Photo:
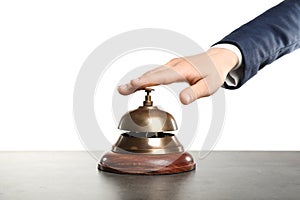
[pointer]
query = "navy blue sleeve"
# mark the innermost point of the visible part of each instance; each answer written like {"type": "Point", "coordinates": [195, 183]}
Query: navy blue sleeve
{"type": "Point", "coordinates": [266, 38]}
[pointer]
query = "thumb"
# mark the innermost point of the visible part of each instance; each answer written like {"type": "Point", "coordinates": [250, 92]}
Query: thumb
{"type": "Point", "coordinates": [194, 92]}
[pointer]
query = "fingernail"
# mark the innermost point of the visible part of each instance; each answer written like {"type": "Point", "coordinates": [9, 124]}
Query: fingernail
{"type": "Point", "coordinates": [123, 87]}
{"type": "Point", "coordinates": [187, 98]}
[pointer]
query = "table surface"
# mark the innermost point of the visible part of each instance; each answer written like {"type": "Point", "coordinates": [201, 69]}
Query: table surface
{"type": "Point", "coordinates": [221, 175]}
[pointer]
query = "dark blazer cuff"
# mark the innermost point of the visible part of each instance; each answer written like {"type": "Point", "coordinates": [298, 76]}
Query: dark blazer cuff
{"type": "Point", "coordinates": [241, 78]}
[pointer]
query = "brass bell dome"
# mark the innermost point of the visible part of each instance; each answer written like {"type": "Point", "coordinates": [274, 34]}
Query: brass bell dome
{"type": "Point", "coordinates": [147, 118]}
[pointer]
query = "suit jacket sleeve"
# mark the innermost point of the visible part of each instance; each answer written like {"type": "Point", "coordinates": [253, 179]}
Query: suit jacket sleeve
{"type": "Point", "coordinates": [266, 38]}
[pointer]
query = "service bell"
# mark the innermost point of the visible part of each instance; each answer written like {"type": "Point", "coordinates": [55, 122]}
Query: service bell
{"type": "Point", "coordinates": [147, 147]}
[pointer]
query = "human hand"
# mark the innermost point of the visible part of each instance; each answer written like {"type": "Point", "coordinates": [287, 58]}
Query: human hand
{"type": "Point", "coordinates": [205, 73]}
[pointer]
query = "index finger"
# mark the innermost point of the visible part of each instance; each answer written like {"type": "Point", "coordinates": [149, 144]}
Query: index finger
{"type": "Point", "coordinates": [165, 75]}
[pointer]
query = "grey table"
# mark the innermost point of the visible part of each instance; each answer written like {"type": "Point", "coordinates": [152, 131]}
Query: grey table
{"type": "Point", "coordinates": [222, 175]}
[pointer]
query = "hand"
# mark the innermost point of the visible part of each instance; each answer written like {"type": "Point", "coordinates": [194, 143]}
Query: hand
{"type": "Point", "coordinates": [205, 73]}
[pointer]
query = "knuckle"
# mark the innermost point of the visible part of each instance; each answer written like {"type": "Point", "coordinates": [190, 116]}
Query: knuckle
{"type": "Point", "coordinates": [135, 82]}
{"type": "Point", "coordinates": [181, 60]}
{"type": "Point", "coordinates": [178, 59]}
{"type": "Point", "coordinates": [175, 61]}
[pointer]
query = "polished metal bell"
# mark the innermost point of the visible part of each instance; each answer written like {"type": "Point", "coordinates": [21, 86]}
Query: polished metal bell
{"type": "Point", "coordinates": [147, 126]}
{"type": "Point", "coordinates": [147, 118]}
{"type": "Point", "coordinates": [146, 148]}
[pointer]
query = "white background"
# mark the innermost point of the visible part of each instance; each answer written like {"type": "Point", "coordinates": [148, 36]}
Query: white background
{"type": "Point", "coordinates": [43, 45]}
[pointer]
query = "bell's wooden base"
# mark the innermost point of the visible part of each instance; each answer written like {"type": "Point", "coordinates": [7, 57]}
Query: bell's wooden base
{"type": "Point", "coordinates": [147, 164]}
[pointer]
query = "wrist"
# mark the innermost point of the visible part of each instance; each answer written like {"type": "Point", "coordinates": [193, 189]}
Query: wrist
{"type": "Point", "coordinates": [224, 60]}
